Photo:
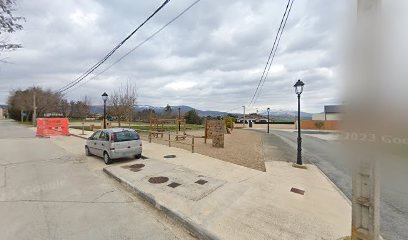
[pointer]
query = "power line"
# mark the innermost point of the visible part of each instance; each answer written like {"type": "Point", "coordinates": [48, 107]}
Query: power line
{"type": "Point", "coordinates": [271, 52]}
{"type": "Point", "coordinates": [270, 65]}
{"type": "Point", "coordinates": [139, 45]}
{"type": "Point", "coordinates": [274, 47]}
{"type": "Point", "coordinates": [94, 67]}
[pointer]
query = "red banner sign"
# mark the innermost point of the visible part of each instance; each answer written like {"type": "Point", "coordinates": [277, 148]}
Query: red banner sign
{"type": "Point", "coordinates": [52, 127]}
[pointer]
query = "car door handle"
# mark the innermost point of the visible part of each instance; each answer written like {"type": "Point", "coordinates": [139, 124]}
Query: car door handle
{"type": "Point", "coordinates": [128, 146]}
{"type": "Point", "coordinates": [94, 143]}
{"type": "Point", "coordinates": [102, 144]}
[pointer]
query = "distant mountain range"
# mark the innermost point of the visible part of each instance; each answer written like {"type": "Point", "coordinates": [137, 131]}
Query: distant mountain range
{"type": "Point", "coordinates": [288, 114]}
{"type": "Point", "coordinates": [183, 110]}
{"type": "Point", "coordinates": [205, 113]}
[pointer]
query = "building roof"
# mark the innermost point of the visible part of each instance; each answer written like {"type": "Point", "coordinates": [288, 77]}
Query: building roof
{"type": "Point", "coordinates": [333, 109]}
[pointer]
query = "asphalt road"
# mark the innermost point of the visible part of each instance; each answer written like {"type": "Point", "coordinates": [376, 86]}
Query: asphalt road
{"type": "Point", "coordinates": [331, 158]}
{"type": "Point", "coordinates": [46, 192]}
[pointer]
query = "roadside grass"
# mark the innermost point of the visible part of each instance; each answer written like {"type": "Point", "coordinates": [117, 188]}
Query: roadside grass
{"type": "Point", "coordinates": [82, 120]}
{"type": "Point", "coordinates": [168, 128]}
{"type": "Point", "coordinates": [26, 123]}
{"type": "Point", "coordinates": [86, 128]}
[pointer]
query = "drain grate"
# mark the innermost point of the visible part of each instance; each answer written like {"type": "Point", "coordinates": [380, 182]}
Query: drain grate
{"type": "Point", "coordinates": [298, 191]}
{"type": "Point", "coordinates": [158, 180]}
{"type": "Point", "coordinates": [170, 156]}
{"type": "Point", "coordinates": [174, 185]}
{"type": "Point", "coordinates": [201, 182]}
{"type": "Point", "coordinates": [134, 167]}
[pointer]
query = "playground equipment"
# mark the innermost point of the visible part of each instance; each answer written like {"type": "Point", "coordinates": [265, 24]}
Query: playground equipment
{"type": "Point", "coordinates": [214, 129]}
{"type": "Point", "coordinates": [158, 127]}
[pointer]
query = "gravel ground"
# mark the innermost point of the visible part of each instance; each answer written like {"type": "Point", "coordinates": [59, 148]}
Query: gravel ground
{"type": "Point", "coordinates": [242, 147]}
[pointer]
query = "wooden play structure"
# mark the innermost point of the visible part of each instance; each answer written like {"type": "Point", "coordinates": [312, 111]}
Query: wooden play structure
{"type": "Point", "coordinates": [159, 126]}
{"type": "Point", "coordinates": [214, 129]}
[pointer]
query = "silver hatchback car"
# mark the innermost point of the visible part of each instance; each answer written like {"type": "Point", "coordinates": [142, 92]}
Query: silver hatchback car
{"type": "Point", "coordinates": [114, 143]}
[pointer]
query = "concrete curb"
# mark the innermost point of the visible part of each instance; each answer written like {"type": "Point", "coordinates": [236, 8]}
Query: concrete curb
{"type": "Point", "coordinates": [79, 136]}
{"type": "Point", "coordinates": [196, 229]}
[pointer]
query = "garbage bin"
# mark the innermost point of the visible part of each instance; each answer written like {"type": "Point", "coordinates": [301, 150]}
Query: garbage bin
{"type": "Point", "coordinates": [250, 124]}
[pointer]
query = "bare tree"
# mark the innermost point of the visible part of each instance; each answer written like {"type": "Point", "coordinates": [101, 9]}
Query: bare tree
{"type": "Point", "coordinates": [65, 107]}
{"type": "Point", "coordinates": [84, 107]}
{"type": "Point", "coordinates": [80, 109]}
{"type": "Point", "coordinates": [83, 110]}
{"type": "Point", "coordinates": [46, 101]}
{"type": "Point", "coordinates": [21, 103]}
{"type": "Point", "coordinates": [122, 101]}
{"type": "Point", "coordinates": [8, 24]}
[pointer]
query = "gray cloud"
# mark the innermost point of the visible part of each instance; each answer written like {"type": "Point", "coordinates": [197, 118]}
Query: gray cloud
{"type": "Point", "coordinates": [211, 58]}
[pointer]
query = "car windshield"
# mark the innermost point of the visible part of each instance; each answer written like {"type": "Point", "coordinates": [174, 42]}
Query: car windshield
{"type": "Point", "coordinates": [125, 136]}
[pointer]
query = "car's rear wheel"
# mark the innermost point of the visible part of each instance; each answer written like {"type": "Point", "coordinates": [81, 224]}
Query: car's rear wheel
{"type": "Point", "coordinates": [138, 156]}
{"type": "Point", "coordinates": [87, 152]}
{"type": "Point", "coordinates": [106, 158]}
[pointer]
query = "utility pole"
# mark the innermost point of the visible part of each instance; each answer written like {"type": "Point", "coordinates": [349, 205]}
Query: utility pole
{"type": "Point", "coordinates": [34, 109]}
{"type": "Point", "coordinates": [243, 124]}
{"type": "Point", "coordinates": [365, 190]}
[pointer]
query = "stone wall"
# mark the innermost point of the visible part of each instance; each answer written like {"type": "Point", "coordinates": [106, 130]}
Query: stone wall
{"type": "Point", "coordinates": [215, 127]}
{"type": "Point", "coordinates": [218, 141]}
{"type": "Point", "coordinates": [215, 131]}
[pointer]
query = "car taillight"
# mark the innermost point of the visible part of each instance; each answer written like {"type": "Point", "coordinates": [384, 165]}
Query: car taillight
{"type": "Point", "coordinates": [113, 137]}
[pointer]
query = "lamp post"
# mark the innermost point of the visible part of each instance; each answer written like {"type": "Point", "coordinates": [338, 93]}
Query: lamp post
{"type": "Point", "coordinates": [104, 97]}
{"type": "Point", "coordinates": [243, 124]}
{"type": "Point", "coordinates": [298, 90]}
{"type": "Point", "coordinates": [179, 119]}
{"type": "Point", "coordinates": [268, 118]}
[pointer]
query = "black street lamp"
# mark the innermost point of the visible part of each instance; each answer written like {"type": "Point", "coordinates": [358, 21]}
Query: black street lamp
{"type": "Point", "coordinates": [104, 97]}
{"type": "Point", "coordinates": [268, 118]}
{"type": "Point", "coordinates": [179, 119]}
{"type": "Point", "coordinates": [299, 89]}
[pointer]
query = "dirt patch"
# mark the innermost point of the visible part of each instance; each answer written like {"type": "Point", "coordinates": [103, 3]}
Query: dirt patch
{"type": "Point", "coordinates": [242, 147]}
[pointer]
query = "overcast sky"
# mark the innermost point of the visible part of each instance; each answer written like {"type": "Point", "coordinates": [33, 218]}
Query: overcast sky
{"type": "Point", "coordinates": [211, 58]}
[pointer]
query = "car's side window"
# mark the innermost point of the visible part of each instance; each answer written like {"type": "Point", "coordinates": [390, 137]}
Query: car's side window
{"type": "Point", "coordinates": [104, 136]}
{"type": "Point", "coordinates": [95, 135]}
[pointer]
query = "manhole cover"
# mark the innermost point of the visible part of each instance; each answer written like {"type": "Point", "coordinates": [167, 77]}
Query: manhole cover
{"type": "Point", "coordinates": [136, 166]}
{"type": "Point", "coordinates": [157, 180]}
{"type": "Point", "coordinates": [201, 182]}
{"type": "Point", "coordinates": [174, 185]}
{"type": "Point", "coordinates": [135, 169]}
{"type": "Point", "coordinates": [170, 156]}
{"type": "Point", "coordinates": [298, 191]}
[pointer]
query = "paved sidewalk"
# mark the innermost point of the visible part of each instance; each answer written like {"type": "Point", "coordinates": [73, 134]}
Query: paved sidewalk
{"type": "Point", "coordinates": [237, 202]}
{"type": "Point", "coordinates": [78, 133]}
